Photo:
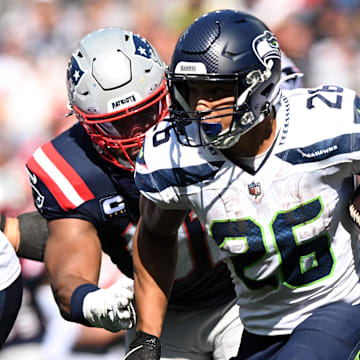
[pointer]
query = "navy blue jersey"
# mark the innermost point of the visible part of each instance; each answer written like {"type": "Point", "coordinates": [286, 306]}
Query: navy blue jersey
{"type": "Point", "coordinates": [69, 179]}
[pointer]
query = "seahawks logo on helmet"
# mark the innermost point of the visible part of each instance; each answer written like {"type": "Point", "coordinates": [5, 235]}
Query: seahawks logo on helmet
{"type": "Point", "coordinates": [74, 75]}
{"type": "Point", "coordinates": [266, 46]}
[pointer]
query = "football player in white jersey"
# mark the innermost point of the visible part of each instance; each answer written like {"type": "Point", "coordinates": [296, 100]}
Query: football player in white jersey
{"type": "Point", "coordinates": [269, 174]}
{"type": "Point", "coordinates": [213, 329]}
{"type": "Point", "coordinates": [21, 236]}
{"type": "Point", "coordinates": [11, 287]}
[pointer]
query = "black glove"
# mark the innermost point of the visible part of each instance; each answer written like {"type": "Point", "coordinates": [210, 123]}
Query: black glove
{"type": "Point", "coordinates": [144, 347]}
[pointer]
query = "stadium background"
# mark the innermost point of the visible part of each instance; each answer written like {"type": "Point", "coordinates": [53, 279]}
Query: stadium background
{"type": "Point", "coordinates": [322, 37]}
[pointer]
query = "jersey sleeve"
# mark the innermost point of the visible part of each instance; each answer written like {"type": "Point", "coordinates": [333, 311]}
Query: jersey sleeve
{"type": "Point", "coordinates": [58, 191]}
{"type": "Point", "coordinates": [355, 137]}
{"type": "Point", "coordinates": [168, 172]}
{"type": "Point", "coordinates": [291, 76]}
{"type": "Point", "coordinates": [151, 177]}
{"type": "Point", "coordinates": [329, 130]}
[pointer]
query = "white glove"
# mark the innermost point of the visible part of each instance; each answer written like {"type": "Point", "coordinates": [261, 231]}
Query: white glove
{"type": "Point", "coordinates": [111, 308]}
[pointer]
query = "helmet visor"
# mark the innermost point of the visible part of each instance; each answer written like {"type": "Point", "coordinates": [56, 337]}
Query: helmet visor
{"type": "Point", "coordinates": [120, 134]}
{"type": "Point", "coordinates": [185, 90]}
{"type": "Point", "coordinates": [134, 124]}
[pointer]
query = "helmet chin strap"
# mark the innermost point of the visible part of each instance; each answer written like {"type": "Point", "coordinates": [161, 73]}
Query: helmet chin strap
{"type": "Point", "coordinates": [227, 142]}
{"type": "Point", "coordinates": [254, 79]}
{"type": "Point", "coordinates": [230, 141]}
{"type": "Point", "coordinates": [70, 108]}
{"type": "Point", "coordinates": [113, 153]}
{"type": "Point", "coordinates": [119, 158]}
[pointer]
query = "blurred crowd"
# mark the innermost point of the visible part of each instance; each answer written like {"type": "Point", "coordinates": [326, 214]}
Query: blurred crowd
{"type": "Point", "coordinates": [322, 37]}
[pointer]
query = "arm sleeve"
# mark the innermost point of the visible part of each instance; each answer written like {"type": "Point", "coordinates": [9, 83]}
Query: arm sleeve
{"type": "Point", "coordinates": [33, 236]}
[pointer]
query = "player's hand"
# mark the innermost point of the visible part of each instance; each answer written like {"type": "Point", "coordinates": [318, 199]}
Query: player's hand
{"type": "Point", "coordinates": [111, 308]}
{"type": "Point", "coordinates": [354, 214]}
{"type": "Point", "coordinates": [144, 347]}
{"type": "Point", "coordinates": [354, 208]}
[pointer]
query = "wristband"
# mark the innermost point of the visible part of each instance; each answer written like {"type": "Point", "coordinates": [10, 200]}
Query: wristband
{"type": "Point", "coordinates": [76, 302]}
{"type": "Point", "coordinates": [2, 222]}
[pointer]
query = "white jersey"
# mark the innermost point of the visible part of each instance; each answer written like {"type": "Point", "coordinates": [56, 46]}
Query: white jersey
{"type": "Point", "coordinates": [9, 263]}
{"type": "Point", "coordinates": [283, 230]}
{"type": "Point", "coordinates": [291, 76]}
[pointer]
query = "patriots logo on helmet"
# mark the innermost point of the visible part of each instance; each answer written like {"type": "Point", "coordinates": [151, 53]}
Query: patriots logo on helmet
{"type": "Point", "coordinates": [74, 74]}
{"type": "Point", "coordinates": [144, 48]}
{"type": "Point", "coordinates": [266, 46]}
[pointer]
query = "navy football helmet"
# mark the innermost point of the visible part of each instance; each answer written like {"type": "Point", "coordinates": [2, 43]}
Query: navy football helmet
{"type": "Point", "coordinates": [117, 89]}
{"type": "Point", "coordinates": [228, 49]}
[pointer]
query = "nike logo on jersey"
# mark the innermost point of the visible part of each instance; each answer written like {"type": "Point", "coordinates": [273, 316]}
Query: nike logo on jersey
{"type": "Point", "coordinates": [32, 176]}
{"type": "Point", "coordinates": [39, 198]}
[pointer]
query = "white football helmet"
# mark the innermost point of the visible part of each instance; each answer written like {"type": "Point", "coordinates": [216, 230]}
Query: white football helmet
{"type": "Point", "coordinates": [116, 88]}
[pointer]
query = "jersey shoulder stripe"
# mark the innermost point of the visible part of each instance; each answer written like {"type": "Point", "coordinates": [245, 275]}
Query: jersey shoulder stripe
{"type": "Point", "coordinates": [319, 151]}
{"type": "Point", "coordinates": [57, 174]}
{"type": "Point", "coordinates": [177, 177]}
{"type": "Point", "coordinates": [166, 163]}
{"type": "Point", "coordinates": [319, 124]}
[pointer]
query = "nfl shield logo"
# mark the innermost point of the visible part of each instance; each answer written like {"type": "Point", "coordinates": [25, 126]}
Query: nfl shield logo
{"type": "Point", "coordinates": [254, 189]}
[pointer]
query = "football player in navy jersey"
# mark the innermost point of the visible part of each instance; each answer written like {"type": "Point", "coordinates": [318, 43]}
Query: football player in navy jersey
{"type": "Point", "coordinates": [269, 173]}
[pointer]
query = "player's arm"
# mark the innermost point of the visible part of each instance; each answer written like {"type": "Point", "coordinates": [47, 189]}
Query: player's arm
{"type": "Point", "coordinates": [27, 233]}
{"type": "Point", "coordinates": [73, 259]}
{"type": "Point", "coordinates": [155, 256]}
